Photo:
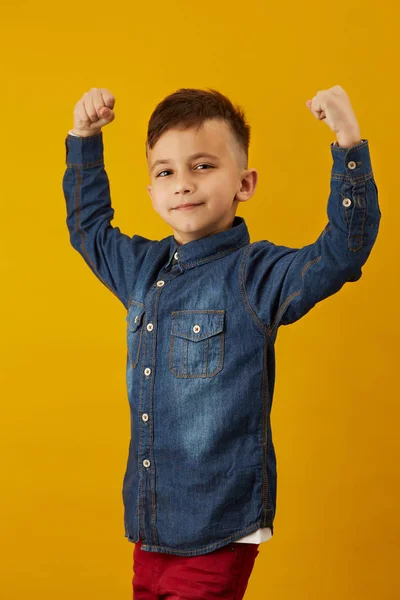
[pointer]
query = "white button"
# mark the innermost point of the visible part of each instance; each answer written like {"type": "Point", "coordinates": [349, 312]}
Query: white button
{"type": "Point", "coordinates": [346, 202]}
{"type": "Point", "coordinates": [147, 371]}
{"type": "Point", "coordinates": [176, 255]}
{"type": "Point", "coordinates": [160, 283]}
{"type": "Point", "coordinates": [145, 417]}
{"type": "Point", "coordinates": [196, 328]}
{"type": "Point", "coordinates": [136, 319]}
{"type": "Point", "coordinates": [351, 164]}
{"type": "Point", "coordinates": [149, 327]}
{"type": "Point", "coordinates": [146, 462]}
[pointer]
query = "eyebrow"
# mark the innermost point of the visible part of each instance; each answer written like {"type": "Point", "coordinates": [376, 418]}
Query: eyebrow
{"type": "Point", "coordinates": [196, 155]}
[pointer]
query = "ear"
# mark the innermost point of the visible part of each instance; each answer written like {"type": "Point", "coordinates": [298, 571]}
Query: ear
{"type": "Point", "coordinates": [248, 185]}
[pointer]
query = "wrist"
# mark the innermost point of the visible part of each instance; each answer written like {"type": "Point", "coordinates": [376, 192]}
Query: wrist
{"type": "Point", "coordinates": [348, 139]}
{"type": "Point", "coordinates": [83, 133]}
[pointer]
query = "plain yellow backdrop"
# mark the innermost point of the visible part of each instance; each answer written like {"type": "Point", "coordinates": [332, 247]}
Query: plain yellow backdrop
{"type": "Point", "coordinates": [64, 410]}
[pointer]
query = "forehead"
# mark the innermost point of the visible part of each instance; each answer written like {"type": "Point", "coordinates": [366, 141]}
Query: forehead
{"type": "Point", "coordinates": [214, 136]}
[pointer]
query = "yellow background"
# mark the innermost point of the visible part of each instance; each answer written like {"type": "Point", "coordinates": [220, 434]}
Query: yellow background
{"type": "Point", "coordinates": [64, 408]}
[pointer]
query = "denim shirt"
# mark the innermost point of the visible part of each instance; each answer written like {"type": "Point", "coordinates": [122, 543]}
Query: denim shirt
{"type": "Point", "coordinates": [201, 323]}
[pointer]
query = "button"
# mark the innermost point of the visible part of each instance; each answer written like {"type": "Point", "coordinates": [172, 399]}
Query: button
{"type": "Point", "coordinates": [347, 202]}
{"type": "Point", "coordinates": [351, 164]}
{"type": "Point", "coordinates": [196, 328]}
{"type": "Point", "coordinates": [160, 283]}
{"type": "Point", "coordinates": [146, 462]}
{"type": "Point", "coordinates": [145, 417]}
{"type": "Point", "coordinates": [149, 327]}
{"type": "Point", "coordinates": [176, 256]}
{"type": "Point", "coordinates": [136, 319]}
{"type": "Point", "coordinates": [147, 371]}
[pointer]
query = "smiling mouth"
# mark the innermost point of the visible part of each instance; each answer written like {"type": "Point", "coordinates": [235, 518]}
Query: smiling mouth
{"type": "Point", "coordinates": [188, 206]}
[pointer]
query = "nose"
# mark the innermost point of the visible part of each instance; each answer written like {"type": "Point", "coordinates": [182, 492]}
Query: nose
{"type": "Point", "coordinates": [183, 185]}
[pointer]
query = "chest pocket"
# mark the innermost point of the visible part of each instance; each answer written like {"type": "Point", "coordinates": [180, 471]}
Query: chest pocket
{"type": "Point", "coordinates": [197, 343]}
{"type": "Point", "coordinates": [134, 331]}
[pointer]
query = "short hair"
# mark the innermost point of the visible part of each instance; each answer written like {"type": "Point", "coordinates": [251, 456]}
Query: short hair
{"type": "Point", "coordinates": [190, 107]}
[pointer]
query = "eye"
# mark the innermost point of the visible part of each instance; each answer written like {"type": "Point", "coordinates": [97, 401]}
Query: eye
{"type": "Point", "coordinates": [201, 165]}
{"type": "Point", "coordinates": [205, 165]}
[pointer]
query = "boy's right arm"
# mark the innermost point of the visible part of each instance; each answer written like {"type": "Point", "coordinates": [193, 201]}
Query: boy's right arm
{"type": "Point", "coordinates": [114, 257]}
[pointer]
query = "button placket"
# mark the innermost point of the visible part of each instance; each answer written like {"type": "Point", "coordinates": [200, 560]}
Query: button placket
{"type": "Point", "coordinates": [147, 372]}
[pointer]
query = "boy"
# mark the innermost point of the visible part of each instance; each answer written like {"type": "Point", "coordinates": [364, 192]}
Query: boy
{"type": "Point", "coordinates": [203, 310]}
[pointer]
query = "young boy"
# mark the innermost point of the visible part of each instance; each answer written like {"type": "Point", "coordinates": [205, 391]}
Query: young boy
{"type": "Point", "coordinates": [203, 310]}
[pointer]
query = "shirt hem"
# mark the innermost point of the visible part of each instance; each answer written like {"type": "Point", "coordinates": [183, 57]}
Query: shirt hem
{"type": "Point", "coordinates": [204, 549]}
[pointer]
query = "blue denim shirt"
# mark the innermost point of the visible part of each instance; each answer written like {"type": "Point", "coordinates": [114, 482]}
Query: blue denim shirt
{"type": "Point", "coordinates": [202, 320]}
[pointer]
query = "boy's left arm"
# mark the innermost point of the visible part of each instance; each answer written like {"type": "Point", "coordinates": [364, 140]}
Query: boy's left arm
{"type": "Point", "coordinates": [282, 284]}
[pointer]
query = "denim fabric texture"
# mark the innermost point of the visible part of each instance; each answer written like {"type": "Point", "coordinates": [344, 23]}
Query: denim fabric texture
{"type": "Point", "coordinates": [201, 323]}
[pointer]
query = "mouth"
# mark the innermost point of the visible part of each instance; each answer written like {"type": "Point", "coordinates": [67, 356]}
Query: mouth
{"type": "Point", "coordinates": [188, 206]}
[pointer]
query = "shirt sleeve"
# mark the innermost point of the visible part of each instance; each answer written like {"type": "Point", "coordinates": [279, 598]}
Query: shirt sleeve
{"type": "Point", "coordinates": [115, 258]}
{"type": "Point", "coordinates": [282, 284]}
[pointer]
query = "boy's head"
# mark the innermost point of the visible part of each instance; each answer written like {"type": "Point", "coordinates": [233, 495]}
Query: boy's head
{"type": "Point", "coordinates": [188, 122]}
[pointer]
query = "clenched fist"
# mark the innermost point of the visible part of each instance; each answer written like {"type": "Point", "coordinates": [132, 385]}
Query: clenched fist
{"type": "Point", "coordinates": [93, 111]}
{"type": "Point", "coordinates": [334, 108]}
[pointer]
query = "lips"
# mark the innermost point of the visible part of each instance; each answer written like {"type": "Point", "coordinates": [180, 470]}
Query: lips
{"type": "Point", "coordinates": [187, 206]}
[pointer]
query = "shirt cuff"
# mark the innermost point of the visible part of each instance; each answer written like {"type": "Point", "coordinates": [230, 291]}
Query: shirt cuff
{"type": "Point", "coordinates": [84, 151]}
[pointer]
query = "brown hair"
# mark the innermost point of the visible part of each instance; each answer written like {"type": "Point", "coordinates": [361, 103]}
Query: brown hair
{"type": "Point", "coordinates": [188, 107]}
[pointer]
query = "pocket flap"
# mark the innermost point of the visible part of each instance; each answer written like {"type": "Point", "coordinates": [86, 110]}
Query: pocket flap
{"type": "Point", "coordinates": [134, 316]}
{"type": "Point", "coordinates": [196, 325]}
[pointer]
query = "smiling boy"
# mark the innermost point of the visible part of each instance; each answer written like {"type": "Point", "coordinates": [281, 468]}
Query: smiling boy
{"type": "Point", "coordinates": [204, 306]}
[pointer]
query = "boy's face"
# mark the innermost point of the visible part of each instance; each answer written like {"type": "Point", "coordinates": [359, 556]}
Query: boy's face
{"type": "Point", "coordinates": [217, 184]}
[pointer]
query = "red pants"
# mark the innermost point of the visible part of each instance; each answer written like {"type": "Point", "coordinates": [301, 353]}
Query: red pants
{"type": "Point", "coordinates": [223, 573]}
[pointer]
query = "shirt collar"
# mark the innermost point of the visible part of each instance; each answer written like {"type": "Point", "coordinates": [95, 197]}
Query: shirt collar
{"type": "Point", "coordinates": [210, 247]}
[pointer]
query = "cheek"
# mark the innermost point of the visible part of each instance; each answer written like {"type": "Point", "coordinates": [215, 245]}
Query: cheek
{"type": "Point", "coordinates": [222, 186]}
{"type": "Point", "coordinates": [160, 194]}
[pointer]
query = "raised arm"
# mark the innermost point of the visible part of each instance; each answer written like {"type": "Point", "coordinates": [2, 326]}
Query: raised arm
{"type": "Point", "coordinates": [115, 258]}
{"type": "Point", "coordinates": [282, 284]}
